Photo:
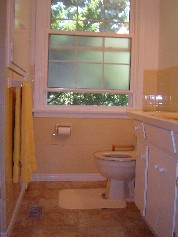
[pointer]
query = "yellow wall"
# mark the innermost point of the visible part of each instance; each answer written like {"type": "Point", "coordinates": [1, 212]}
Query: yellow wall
{"type": "Point", "coordinates": [164, 80]}
{"type": "Point", "coordinates": [168, 86]}
{"type": "Point", "coordinates": [74, 154]}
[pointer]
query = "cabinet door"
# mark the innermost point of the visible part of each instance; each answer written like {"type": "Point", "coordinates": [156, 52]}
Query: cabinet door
{"type": "Point", "coordinates": [141, 176]}
{"type": "Point", "coordinates": [161, 192]}
{"type": "Point", "coordinates": [152, 191]}
{"type": "Point", "coordinates": [22, 29]}
{"type": "Point", "coordinates": [167, 196]}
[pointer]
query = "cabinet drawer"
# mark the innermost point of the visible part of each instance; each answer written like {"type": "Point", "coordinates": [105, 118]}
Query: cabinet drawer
{"type": "Point", "coordinates": [161, 138]}
{"type": "Point", "coordinates": [139, 129]}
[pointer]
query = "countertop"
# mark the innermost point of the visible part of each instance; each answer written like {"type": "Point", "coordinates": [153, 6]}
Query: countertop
{"type": "Point", "coordinates": [166, 120]}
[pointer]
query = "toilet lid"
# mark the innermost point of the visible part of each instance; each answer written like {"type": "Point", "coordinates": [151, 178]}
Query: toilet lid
{"type": "Point", "coordinates": [116, 155]}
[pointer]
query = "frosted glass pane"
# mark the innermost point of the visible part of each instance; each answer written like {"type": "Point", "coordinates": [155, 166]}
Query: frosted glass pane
{"type": "Point", "coordinates": [90, 56]}
{"type": "Point", "coordinates": [90, 49]}
{"type": "Point", "coordinates": [61, 75]}
{"type": "Point", "coordinates": [89, 62]}
{"type": "Point", "coordinates": [90, 41]}
{"type": "Point", "coordinates": [58, 54]}
{"type": "Point", "coordinates": [62, 40]}
{"type": "Point", "coordinates": [89, 76]}
{"type": "Point", "coordinates": [121, 43]}
{"type": "Point", "coordinates": [117, 57]}
{"type": "Point", "coordinates": [117, 50]}
{"type": "Point", "coordinates": [61, 47]}
{"type": "Point", "coordinates": [116, 77]}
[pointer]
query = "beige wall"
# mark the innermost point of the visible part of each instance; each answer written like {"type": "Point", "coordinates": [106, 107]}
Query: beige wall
{"type": "Point", "coordinates": [74, 154]}
{"type": "Point", "coordinates": [168, 53]}
{"type": "Point", "coordinates": [168, 48]}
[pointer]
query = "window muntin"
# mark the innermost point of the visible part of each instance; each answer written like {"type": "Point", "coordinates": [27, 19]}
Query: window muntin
{"type": "Point", "coordinates": [89, 62]}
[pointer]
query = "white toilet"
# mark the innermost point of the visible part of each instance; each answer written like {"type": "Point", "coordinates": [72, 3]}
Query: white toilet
{"type": "Point", "coordinates": [119, 169]}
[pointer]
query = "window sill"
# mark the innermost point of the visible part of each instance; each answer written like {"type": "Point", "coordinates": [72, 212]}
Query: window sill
{"type": "Point", "coordinates": [85, 112]}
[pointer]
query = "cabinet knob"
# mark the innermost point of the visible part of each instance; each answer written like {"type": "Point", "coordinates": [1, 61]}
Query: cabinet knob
{"type": "Point", "coordinates": [156, 167]}
{"type": "Point", "coordinates": [137, 128]}
{"type": "Point", "coordinates": [162, 170]}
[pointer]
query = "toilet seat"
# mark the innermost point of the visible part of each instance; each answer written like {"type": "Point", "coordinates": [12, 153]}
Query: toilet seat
{"type": "Point", "coordinates": [116, 155]}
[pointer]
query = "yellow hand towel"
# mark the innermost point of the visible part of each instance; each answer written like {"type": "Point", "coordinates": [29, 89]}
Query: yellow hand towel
{"type": "Point", "coordinates": [28, 160]}
{"type": "Point", "coordinates": [16, 153]}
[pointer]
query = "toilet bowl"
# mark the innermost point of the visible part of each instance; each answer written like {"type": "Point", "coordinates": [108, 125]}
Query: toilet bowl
{"type": "Point", "coordinates": [118, 167]}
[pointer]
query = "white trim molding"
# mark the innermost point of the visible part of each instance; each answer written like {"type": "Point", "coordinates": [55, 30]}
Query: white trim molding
{"type": "Point", "coordinates": [67, 177]}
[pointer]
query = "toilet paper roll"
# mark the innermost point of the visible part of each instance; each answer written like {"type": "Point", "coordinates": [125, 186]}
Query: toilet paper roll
{"type": "Point", "coordinates": [64, 131]}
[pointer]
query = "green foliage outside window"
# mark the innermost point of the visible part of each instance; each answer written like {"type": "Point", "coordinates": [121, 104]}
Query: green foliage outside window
{"type": "Point", "coordinates": [75, 98]}
{"type": "Point", "coordinates": [90, 15]}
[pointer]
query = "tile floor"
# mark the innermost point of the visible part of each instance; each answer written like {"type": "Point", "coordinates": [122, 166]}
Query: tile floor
{"type": "Point", "coordinates": [58, 222]}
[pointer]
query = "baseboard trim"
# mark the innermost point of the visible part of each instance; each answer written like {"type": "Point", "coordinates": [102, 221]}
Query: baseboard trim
{"type": "Point", "coordinates": [67, 177]}
{"type": "Point", "coordinates": [17, 207]}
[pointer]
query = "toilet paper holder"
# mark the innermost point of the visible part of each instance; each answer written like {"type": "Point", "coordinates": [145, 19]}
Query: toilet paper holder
{"type": "Point", "coordinates": [57, 126]}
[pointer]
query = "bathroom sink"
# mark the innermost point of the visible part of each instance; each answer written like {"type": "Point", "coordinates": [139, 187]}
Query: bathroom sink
{"type": "Point", "coordinates": [171, 116]}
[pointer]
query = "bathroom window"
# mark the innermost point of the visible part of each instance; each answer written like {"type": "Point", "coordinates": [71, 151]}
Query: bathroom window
{"type": "Point", "coordinates": [85, 57]}
{"type": "Point", "coordinates": [89, 53]}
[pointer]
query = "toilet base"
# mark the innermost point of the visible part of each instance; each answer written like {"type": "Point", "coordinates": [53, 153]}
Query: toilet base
{"type": "Point", "coordinates": [117, 189]}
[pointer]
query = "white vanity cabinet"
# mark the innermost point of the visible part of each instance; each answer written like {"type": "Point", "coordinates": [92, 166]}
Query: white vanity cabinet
{"type": "Point", "coordinates": [161, 192]}
{"type": "Point", "coordinates": [141, 167]}
{"type": "Point", "coordinates": [156, 177]}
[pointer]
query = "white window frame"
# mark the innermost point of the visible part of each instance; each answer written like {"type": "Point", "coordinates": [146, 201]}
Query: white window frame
{"type": "Point", "coordinates": [41, 66]}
